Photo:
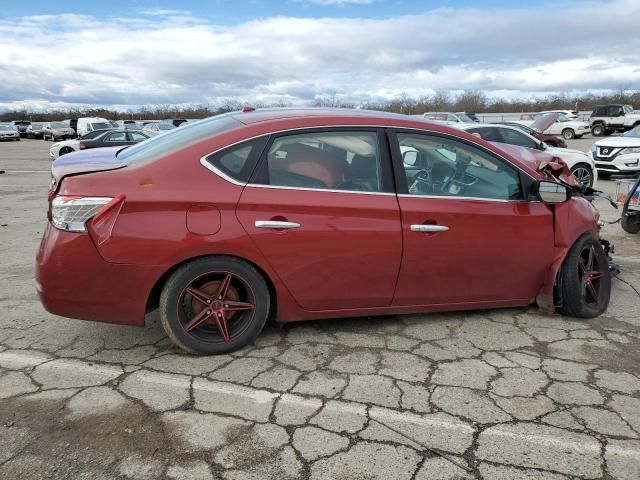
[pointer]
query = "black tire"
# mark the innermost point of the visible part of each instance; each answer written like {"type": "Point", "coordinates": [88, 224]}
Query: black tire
{"type": "Point", "coordinates": [630, 224]}
{"type": "Point", "coordinates": [584, 281]}
{"type": "Point", "coordinates": [583, 173]}
{"type": "Point", "coordinates": [65, 150]}
{"type": "Point", "coordinates": [180, 310]}
{"type": "Point", "coordinates": [17, 139]}
{"type": "Point", "coordinates": [598, 130]}
{"type": "Point", "coordinates": [568, 134]}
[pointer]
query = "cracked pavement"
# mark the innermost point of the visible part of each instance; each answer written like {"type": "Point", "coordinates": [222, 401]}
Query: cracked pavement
{"type": "Point", "coordinates": [517, 394]}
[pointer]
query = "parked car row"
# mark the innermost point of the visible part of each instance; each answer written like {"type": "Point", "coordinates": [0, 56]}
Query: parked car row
{"type": "Point", "coordinates": [74, 128]}
{"type": "Point", "coordinates": [98, 138]}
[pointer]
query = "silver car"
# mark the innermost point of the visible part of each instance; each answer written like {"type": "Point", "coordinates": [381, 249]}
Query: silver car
{"type": "Point", "coordinates": [9, 132]}
{"type": "Point", "coordinates": [57, 131]}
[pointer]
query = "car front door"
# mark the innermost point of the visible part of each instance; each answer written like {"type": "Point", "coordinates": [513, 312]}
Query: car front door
{"type": "Point", "coordinates": [470, 236]}
{"type": "Point", "coordinates": [616, 116]}
{"type": "Point", "coordinates": [321, 209]}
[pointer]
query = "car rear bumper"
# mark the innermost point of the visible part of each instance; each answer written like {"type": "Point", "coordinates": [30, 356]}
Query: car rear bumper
{"type": "Point", "coordinates": [74, 281]}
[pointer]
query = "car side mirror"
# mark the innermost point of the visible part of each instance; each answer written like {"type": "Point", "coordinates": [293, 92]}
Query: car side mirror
{"type": "Point", "coordinates": [542, 146]}
{"type": "Point", "coordinates": [410, 157]}
{"type": "Point", "coordinates": [551, 192]}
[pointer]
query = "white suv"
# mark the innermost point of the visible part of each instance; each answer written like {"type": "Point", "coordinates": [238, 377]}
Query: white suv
{"type": "Point", "coordinates": [618, 154]}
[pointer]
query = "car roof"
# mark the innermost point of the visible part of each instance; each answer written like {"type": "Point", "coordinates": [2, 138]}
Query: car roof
{"type": "Point", "coordinates": [267, 114]}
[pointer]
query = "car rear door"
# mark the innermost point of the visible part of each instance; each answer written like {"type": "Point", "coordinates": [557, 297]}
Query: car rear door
{"type": "Point", "coordinates": [321, 209]}
{"type": "Point", "coordinates": [470, 238]}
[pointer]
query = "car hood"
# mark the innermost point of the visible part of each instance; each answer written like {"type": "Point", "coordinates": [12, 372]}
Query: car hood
{"type": "Point", "coordinates": [560, 151]}
{"type": "Point", "coordinates": [93, 160]}
{"type": "Point", "coordinates": [65, 143]}
{"type": "Point", "coordinates": [544, 121]}
{"type": "Point", "coordinates": [544, 162]}
{"type": "Point", "coordinates": [619, 142]}
{"type": "Point", "coordinates": [8, 130]}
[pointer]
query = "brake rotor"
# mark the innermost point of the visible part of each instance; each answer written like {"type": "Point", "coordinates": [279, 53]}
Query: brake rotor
{"type": "Point", "coordinates": [211, 288]}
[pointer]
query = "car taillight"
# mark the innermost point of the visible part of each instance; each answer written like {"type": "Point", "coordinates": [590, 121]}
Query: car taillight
{"type": "Point", "coordinates": [71, 213]}
{"type": "Point", "coordinates": [82, 146]}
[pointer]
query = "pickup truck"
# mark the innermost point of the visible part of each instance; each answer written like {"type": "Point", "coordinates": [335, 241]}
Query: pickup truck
{"type": "Point", "coordinates": [606, 119]}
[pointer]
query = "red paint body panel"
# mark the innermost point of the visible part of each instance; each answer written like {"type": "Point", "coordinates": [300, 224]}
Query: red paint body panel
{"type": "Point", "coordinates": [73, 281]}
{"type": "Point", "coordinates": [345, 260]}
{"type": "Point", "coordinates": [346, 253]}
{"type": "Point", "coordinates": [493, 251]}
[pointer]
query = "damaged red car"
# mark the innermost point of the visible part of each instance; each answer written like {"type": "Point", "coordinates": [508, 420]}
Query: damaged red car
{"type": "Point", "coordinates": [300, 214]}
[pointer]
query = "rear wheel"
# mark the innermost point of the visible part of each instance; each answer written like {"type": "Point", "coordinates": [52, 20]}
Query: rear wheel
{"type": "Point", "coordinates": [630, 224]}
{"type": "Point", "coordinates": [568, 134]}
{"type": "Point", "coordinates": [583, 173]}
{"type": "Point", "coordinates": [214, 305]}
{"type": "Point", "coordinates": [585, 282]}
{"type": "Point", "coordinates": [597, 130]}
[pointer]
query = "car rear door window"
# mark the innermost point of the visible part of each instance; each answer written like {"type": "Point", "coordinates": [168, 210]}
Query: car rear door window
{"type": "Point", "coordinates": [136, 137]}
{"type": "Point", "coordinates": [326, 160]}
{"type": "Point", "coordinates": [446, 167]}
{"type": "Point", "coordinates": [116, 137]}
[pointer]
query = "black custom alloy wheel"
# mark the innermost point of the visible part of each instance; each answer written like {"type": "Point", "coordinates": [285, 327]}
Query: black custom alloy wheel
{"type": "Point", "coordinates": [585, 281]}
{"type": "Point", "coordinates": [214, 305]}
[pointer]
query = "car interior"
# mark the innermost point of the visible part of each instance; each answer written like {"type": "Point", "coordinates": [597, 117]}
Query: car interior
{"type": "Point", "coordinates": [441, 167]}
{"type": "Point", "coordinates": [326, 161]}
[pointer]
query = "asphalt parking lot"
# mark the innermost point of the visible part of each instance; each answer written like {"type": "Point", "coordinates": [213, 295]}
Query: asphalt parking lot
{"type": "Point", "coordinates": [510, 394]}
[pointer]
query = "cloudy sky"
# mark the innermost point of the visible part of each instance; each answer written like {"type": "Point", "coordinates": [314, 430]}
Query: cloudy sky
{"type": "Point", "coordinates": [131, 53]}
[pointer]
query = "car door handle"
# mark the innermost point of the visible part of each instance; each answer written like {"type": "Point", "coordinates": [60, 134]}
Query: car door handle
{"type": "Point", "coordinates": [429, 228]}
{"type": "Point", "coordinates": [276, 225]}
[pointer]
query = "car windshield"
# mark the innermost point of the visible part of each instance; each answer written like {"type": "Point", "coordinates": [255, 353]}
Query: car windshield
{"type": "Point", "coordinates": [634, 132]}
{"type": "Point", "coordinates": [101, 125]}
{"type": "Point", "coordinates": [179, 137]}
{"type": "Point", "coordinates": [165, 126]}
{"type": "Point", "coordinates": [58, 125]}
{"type": "Point", "coordinates": [465, 118]}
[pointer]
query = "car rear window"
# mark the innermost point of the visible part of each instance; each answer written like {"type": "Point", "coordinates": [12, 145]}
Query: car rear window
{"type": "Point", "coordinates": [179, 137]}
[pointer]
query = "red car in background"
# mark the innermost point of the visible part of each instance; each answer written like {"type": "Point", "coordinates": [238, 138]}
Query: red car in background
{"type": "Point", "coordinates": [304, 214]}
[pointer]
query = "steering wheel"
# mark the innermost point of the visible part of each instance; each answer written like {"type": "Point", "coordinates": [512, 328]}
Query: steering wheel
{"type": "Point", "coordinates": [422, 182]}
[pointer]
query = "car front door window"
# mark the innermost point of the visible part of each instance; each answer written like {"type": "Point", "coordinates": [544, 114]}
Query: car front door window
{"type": "Point", "coordinates": [451, 168]}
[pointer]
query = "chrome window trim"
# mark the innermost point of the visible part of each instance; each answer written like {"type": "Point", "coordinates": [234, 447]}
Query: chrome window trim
{"type": "Point", "coordinates": [330, 190]}
{"type": "Point", "coordinates": [217, 171]}
{"type": "Point", "coordinates": [453, 197]}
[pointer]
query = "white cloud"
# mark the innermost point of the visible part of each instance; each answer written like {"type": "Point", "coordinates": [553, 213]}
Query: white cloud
{"type": "Point", "coordinates": [178, 59]}
{"type": "Point", "coordinates": [164, 12]}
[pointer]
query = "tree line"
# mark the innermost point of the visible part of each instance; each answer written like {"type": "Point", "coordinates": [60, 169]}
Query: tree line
{"type": "Point", "coordinates": [474, 101]}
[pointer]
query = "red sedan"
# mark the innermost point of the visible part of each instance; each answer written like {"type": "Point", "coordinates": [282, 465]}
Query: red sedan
{"type": "Point", "coordinates": [308, 214]}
